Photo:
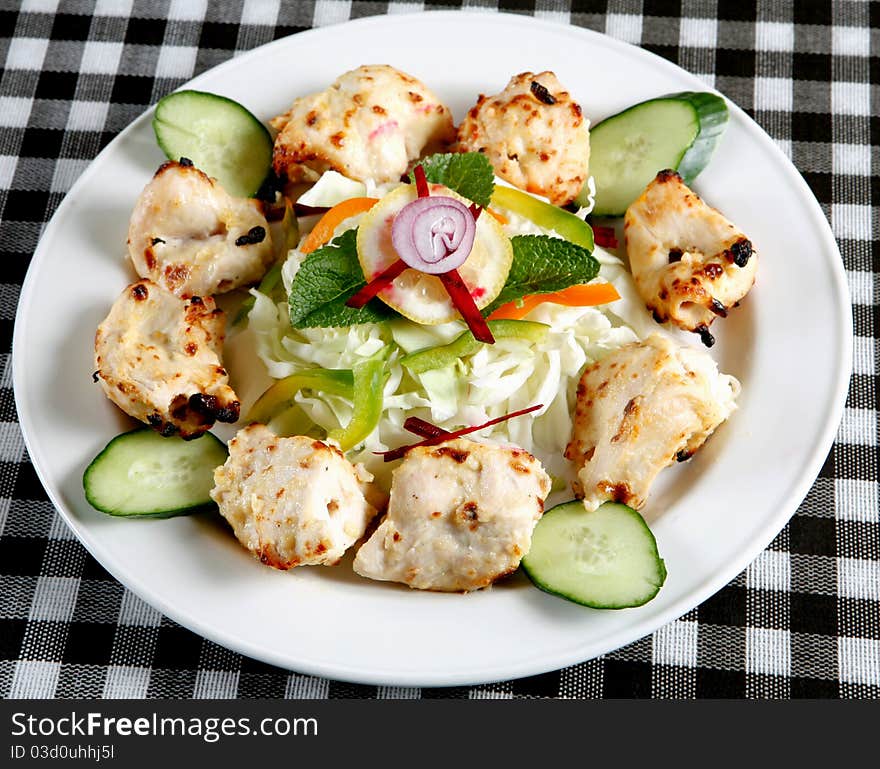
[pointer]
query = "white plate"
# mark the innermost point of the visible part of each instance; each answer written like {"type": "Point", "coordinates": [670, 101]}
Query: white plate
{"type": "Point", "coordinates": [790, 344]}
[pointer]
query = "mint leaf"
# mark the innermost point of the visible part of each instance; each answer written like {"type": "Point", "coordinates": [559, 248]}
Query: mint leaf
{"type": "Point", "coordinates": [469, 174]}
{"type": "Point", "coordinates": [328, 278]}
{"type": "Point", "coordinates": [542, 264]}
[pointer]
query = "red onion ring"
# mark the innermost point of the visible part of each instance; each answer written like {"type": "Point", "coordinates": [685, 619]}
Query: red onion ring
{"type": "Point", "coordinates": [434, 234]}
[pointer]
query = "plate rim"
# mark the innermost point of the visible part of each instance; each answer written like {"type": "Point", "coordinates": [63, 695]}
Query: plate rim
{"type": "Point", "coordinates": [534, 665]}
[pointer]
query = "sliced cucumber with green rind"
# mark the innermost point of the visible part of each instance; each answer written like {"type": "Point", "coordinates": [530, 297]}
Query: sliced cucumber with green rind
{"type": "Point", "coordinates": [606, 559]}
{"type": "Point", "coordinates": [219, 135]}
{"type": "Point", "coordinates": [140, 474]}
{"type": "Point", "coordinates": [713, 116]}
{"type": "Point", "coordinates": [679, 131]}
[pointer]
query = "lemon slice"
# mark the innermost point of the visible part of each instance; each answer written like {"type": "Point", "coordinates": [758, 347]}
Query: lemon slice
{"type": "Point", "coordinates": [415, 295]}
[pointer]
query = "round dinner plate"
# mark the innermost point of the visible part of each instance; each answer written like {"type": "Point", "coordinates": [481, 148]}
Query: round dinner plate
{"type": "Point", "coordinates": [789, 344]}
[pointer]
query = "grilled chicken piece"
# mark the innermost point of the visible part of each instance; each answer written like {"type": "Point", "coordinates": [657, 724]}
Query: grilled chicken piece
{"type": "Point", "coordinates": [461, 515]}
{"type": "Point", "coordinates": [369, 124]}
{"type": "Point", "coordinates": [639, 410]}
{"type": "Point", "coordinates": [534, 134]}
{"type": "Point", "coordinates": [192, 237]}
{"type": "Point", "coordinates": [157, 357]}
{"type": "Point", "coordinates": [690, 264]}
{"type": "Point", "coordinates": [291, 501]}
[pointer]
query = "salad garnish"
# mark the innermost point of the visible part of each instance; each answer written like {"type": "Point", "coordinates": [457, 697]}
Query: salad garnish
{"type": "Point", "coordinates": [383, 279]}
{"type": "Point", "coordinates": [393, 454]}
{"type": "Point", "coordinates": [470, 174]}
{"type": "Point", "coordinates": [542, 265]}
{"type": "Point", "coordinates": [368, 379]}
{"type": "Point", "coordinates": [578, 295]}
{"type": "Point", "coordinates": [421, 182]}
{"type": "Point", "coordinates": [326, 281]}
{"type": "Point", "coordinates": [322, 232]}
{"type": "Point", "coordinates": [466, 343]}
{"type": "Point", "coordinates": [433, 235]}
{"type": "Point", "coordinates": [464, 303]}
{"type": "Point", "coordinates": [604, 236]}
{"type": "Point", "coordinates": [423, 428]}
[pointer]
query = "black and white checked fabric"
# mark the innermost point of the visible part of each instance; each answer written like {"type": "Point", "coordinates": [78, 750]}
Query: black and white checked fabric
{"type": "Point", "coordinates": [802, 621]}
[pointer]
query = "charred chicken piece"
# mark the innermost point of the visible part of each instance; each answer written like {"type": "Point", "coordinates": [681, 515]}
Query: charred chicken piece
{"type": "Point", "coordinates": [189, 235]}
{"type": "Point", "coordinates": [461, 516]}
{"type": "Point", "coordinates": [642, 408]}
{"type": "Point", "coordinates": [689, 263]}
{"type": "Point", "coordinates": [157, 357]}
{"type": "Point", "coordinates": [534, 134]}
{"type": "Point", "coordinates": [291, 501]}
{"type": "Point", "coordinates": [369, 124]}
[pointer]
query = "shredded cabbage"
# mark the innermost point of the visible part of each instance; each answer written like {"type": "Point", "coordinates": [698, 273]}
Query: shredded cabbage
{"type": "Point", "coordinates": [330, 189]}
{"type": "Point", "coordinates": [496, 380]}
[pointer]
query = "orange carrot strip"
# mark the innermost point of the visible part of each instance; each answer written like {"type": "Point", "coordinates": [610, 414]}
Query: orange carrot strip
{"type": "Point", "coordinates": [580, 295]}
{"type": "Point", "coordinates": [327, 224]}
{"type": "Point", "coordinates": [499, 217]}
{"type": "Point", "coordinates": [511, 310]}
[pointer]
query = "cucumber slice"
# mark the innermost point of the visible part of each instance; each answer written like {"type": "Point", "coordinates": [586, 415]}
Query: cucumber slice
{"type": "Point", "coordinates": [606, 559]}
{"type": "Point", "coordinates": [219, 135]}
{"type": "Point", "coordinates": [140, 474]}
{"type": "Point", "coordinates": [679, 131]}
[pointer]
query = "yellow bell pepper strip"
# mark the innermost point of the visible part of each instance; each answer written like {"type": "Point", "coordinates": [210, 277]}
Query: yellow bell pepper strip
{"type": "Point", "coordinates": [368, 378]}
{"type": "Point", "coordinates": [544, 215]}
{"type": "Point", "coordinates": [580, 295]}
{"type": "Point", "coordinates": [281, 394]}
{"type": "Point", "coordinates": [327, 224]}
{"type": "Point", "coordinates": [466, 344]}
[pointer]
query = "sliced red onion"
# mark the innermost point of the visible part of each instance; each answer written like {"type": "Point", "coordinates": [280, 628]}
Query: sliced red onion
{"type": "Point", "coordinates": [434, 234]}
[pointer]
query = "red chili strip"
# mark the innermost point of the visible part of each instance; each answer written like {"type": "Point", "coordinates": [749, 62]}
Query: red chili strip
{"type": "Point", "coordinates": [464, 303]}
{"type": "Point", "coordinates": [423, 428]}
{"type": "Point", "coordinates": [390, 456]}
{"type": "Point", "coordinates": [421, 182]}
{"type": "Point", "coordinates": [300, 210]}
{"type": "Point", "coordinates": [605, 237]}
{"type": "Point", "coordinates": [372, 288]}
{"type": "Point", "coordinates": [475, 210]}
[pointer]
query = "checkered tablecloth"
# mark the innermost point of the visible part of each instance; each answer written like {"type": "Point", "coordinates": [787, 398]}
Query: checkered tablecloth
{"type": "Point", "coordinates": [802, 621]}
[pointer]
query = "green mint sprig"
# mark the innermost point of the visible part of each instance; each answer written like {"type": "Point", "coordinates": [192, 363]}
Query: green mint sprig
{"type": "Point", "coordinates": [470, 174]}
{"type": "Point", "coordinates": [326, 280]}
{"type": "Point", "coordinates": [541, 265]}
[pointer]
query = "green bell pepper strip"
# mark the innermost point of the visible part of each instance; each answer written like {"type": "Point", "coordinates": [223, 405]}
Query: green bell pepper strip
{"type": "Point", "coordinates": [368, 378]}
{"type": "Point", "coordinates": [362, 385]}
{"type": "Point", "coordinates": [444, 355]}
{"type": "Point", "coordinates": [281, 394]}
{"type": "Point", "coordinates": [544, 215]}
